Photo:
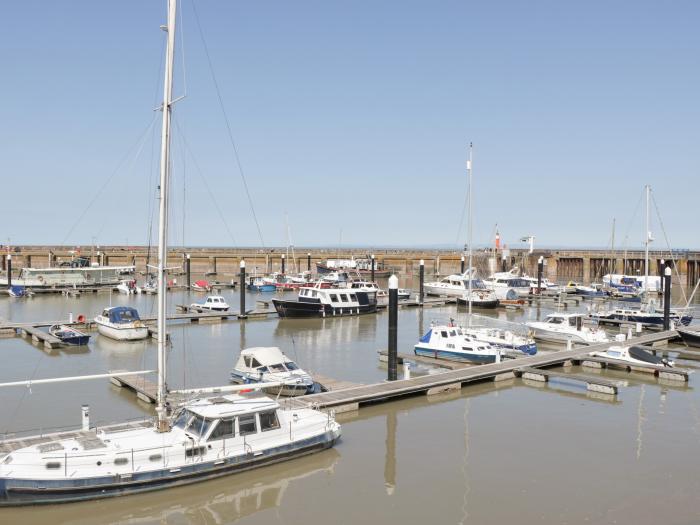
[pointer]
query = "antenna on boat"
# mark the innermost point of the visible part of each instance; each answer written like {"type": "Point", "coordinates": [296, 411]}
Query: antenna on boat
{"type": "Point", "coordinates": [163, 423]}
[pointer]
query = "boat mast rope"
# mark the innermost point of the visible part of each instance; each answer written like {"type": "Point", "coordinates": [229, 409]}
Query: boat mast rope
{"type": "Point", "coordinates": [670, 250]}
{"type": "Point", "coordinates": [228, 126]}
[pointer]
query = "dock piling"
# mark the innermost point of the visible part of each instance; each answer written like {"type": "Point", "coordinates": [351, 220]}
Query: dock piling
{"type": "Point", "coordinates": [540, 269]}
{"type": "Point", "coordinates": [283, 263]}
{"type": "Point", "coordinates": [421, 278]}
{"type": "Point", "coordinates": [393, 321]}
{"type": "Point", "coordinates": [372, 258]}
{"type": "Point", "coordinates": [667, 298]}
{"type": "Point", "coordinates": [9, 271]}
{"type": "Point", "coordinates": [461, 264]}
{"type": "Point", "coordinates": [241, 314]}
{"type": "Point", "coordinates": [308, 262]}
{"type": "Point", "coordinates": [188, 268]}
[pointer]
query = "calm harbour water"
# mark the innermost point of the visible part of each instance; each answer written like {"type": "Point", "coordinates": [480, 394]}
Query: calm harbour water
{"type": "Point", "coordinates": [504, 453]}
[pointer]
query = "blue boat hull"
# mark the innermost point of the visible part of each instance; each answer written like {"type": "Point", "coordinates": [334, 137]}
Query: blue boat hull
{"type": "Point", "coordinates": [465, 357]}
{"type": "Point", "coordinates": [78, 340]}
{"type": "Point", "coordinates": [262, 287]}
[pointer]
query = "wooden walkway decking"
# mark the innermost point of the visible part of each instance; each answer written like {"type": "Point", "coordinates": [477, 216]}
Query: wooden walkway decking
{"type": "Point", "coordinates": [352, 398]}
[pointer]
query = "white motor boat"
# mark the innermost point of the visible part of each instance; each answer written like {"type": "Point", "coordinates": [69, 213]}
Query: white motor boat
{"type": "Point", "coordinates": [451, 342]}
{"type": "Point", "coordinates": [633, 355]}
{"type": "Point", "coordinates": [122, 323]}
{"type": "Point", "coordinates": [269, 364]}
{"type": "Point", "coordinates": [504, 339]}
{"type": "Point", "coordinates": [560, 328]}
{"type": "Point", "coordinates": [213, 303]}
{"type": "Point", "coordinates": [508, 285]}
{"type": "Point", "coordinates": [127, 287]}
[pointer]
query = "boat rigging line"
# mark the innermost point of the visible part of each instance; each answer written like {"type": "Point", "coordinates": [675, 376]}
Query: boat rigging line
{"type": "Point", "coordinates": [228, 125]}
{"type": "Point", "coordinates": [204, 180]}
{"type": "Point", "coordinates": [137, 145]}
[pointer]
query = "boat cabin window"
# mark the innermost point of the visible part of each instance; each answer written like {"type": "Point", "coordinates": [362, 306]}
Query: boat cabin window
{"type": "Point", "coordinates": [353, 297]}
{"type": "Point", "coordinates": [443, 333]}
{"type": "Point", "coordinates": [334, 298]}
{"type": "Point", "coordinates": [121, 461]}
{"type": "Point", "coordinates": [269, 421]}
{"type": "Point", "coordinates": [291, 365]}
{"type": "Point", "coordinates": [555, 320]}
{"type": "Point", "coordinates": [344, 297]}
{"type": "Point", "coordinates": [459, 332]}
{"type": "Point", "coordinates": [105, 313]}
{"type": "Point", "coordinates": [183, 419]}
{"type": "Point", "coordinates": [453, 333]}
{"type": "Point", "coordinates": [247, 425]}
{"type": "Point", "coordinates": [53, 465]}
{"type": "Point", "coordinates": [224, 429]}
{"type": "Point", "coordinates": [277, 368]}
{"type": "Point", "coordinates": [198, 425]}
{"type": "Point", "coordinates": [314, 293]}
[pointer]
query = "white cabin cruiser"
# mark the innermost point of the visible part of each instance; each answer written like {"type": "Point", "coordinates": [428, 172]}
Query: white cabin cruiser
{"type": "Point", "coordinates": [213, 303]}
{"type": "Point", "coordinates": [209, 438]}
{"type": "Point", "coordinates": [269, 364]}
{"type": "Point", "coordinates": [633, 355]}
{"type": "Point", "coordinates": [508, 286]}
{"type": "Point", "coordinates": [451, 342]}
{"type": "Point", "coordinates": [122, 323]}
{"type": "Point", "coordinates": [560, 328]}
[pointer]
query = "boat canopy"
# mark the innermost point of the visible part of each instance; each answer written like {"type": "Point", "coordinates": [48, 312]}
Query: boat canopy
{"type": "Point", "coordinates": [123, 314]}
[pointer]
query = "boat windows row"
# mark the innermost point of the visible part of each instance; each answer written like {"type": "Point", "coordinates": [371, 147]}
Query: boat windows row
{"type": "Point", "coordinates": [225, 428]}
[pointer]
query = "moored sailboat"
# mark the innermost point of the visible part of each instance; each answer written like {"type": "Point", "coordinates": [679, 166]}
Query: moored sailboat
{"type": "Point", "coordinates": [215, 434]}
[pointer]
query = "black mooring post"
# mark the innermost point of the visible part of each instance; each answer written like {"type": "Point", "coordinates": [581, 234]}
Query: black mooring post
{"type": "Point", "coordinates": [188, 271]}
{"type": "Point", "coordinates": [283, 260]}
{"type": "Point", "coordinates": [308, 262]}
{"type": "Point", "coordinates": [9, 271]}
{"type": "Point", "coordinates": [667, 299]}
{"type": "Point", "coordinates": [540, 269]}
{"type": "Point", "coordinates": [421, 280]}
{"type": "Point", "coordinates": [662, 266]}
{"type": "Point", "coordinates": [461, 265]}
{"type": "Point", "coordinates": [372, 258]}
{"type": "Point", "coordinates": [242, 290]}
{"type": "Point", "coordinates": [393, 320]}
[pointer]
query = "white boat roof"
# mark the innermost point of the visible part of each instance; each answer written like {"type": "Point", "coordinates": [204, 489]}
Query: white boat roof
{"type": "Point", "coordinates": [231, 405]}
{"type": "Point", "coordinates": [564, 316]}
{"type": "Point", "coordinates": [266, 355]}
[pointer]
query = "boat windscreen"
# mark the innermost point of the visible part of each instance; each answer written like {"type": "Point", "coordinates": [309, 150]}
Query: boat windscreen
{"type": "Point", "coordinates": [426, 337]}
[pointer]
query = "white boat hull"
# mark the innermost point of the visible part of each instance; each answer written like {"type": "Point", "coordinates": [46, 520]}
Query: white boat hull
{"type": "Point", "coordinates": [123, 333]}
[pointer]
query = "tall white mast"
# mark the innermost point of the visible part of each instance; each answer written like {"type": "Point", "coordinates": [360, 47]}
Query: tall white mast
{"type": "Point", "coordinates": [647, 239]}
{"type": "Point", "coordinates": [163, 424]}
{"type": "Point", "coordinates": [469, 269]}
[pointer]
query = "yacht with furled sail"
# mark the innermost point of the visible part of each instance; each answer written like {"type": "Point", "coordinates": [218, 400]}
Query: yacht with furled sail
{"type": "Point", "coordinates": [204, 434]}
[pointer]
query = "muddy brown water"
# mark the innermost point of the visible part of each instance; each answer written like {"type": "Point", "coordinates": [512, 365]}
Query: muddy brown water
{"type": "Point", "coordinates": [511, 452]}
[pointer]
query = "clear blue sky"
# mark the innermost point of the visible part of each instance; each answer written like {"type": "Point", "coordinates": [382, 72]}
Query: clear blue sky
{"type": "Point", "coordinates": [354, 116]}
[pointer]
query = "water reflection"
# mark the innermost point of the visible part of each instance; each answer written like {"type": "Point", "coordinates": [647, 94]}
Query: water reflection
{"type": "Point", "coordinates": [390, 455]}
{"type": "Point", "coordinates": [329, 331]}
{"type": "Point", "coordinates": [225, 500]}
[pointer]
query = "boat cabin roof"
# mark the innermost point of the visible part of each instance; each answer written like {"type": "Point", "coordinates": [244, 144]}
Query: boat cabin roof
{"type": "Point", "coordinates": [121, 314]}
{"type": "Point", "coordinates": [231, 405]}
{"type": "Point", "coordinates": [265, 355]}
{"type": "Point", "coordinates": [215, 299]}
